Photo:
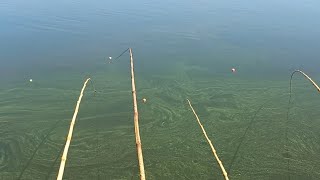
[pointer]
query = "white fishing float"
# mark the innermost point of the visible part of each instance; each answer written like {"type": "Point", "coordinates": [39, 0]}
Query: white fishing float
{"type": "Point", "coordinates": [233, 70]}
{"type": "Point", "coordinates": [144, 100]}
{"type": "Point", "coordinates": [110, 59]}
{"type": "Point", "coordinates": [30, 80]}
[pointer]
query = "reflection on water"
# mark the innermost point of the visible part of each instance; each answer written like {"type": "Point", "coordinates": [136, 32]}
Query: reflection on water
{"type": "Point", "coordinates": [182, 49]}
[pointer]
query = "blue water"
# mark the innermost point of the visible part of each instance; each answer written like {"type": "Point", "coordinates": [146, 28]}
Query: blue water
{"type": "Point", "coordinates": [181, 49]}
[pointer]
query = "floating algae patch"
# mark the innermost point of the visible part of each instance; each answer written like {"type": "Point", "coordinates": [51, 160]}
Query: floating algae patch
{"type": "Point", "coordinates": [292, 176]}
{"type": "Point", "coordinates": [8, 156]}
{"type": "Point", "coordinates": [223, 101]}
{"type": "Point", "coordinates": [287, 155]}
{"type": "Point", "coordinates": [5, 154]}
{"type": "Point", "coordinates": [202, 109]}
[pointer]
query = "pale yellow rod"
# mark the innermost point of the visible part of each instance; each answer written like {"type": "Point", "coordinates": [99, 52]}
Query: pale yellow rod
{"type": "Point", "coordinates": [305, 75]}
{"type": "Point", "coordinates": [136, 121]}
{"type": "Point", "coordinates": [73, 121]}
{"type": "Point", "coordinates": [224, 172]}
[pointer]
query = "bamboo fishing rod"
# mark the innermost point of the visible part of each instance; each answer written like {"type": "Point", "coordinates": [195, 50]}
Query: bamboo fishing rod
{"type": "Point", "coordinates": [69, 137]}
{"type": "Point", "coordinates": [306, 76]}
{"type": "Point", "coordinates": [224, 172]}
{"type": "Point", "coordinates": [136, 121]}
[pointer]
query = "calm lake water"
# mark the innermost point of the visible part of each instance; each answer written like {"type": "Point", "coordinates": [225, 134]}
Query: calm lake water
{"type": "Point", "coordinates": [182, 49]}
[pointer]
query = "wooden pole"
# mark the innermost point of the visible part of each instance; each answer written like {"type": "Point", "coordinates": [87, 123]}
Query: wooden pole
{"type": "Point", "coordinates": [306, 76]}
{"type": "Point", "coordinates": [69, 137]}
{"type": "Point", "coordinates": [224, 172]}
{"type": "Point", "coordinates": [136, 121]}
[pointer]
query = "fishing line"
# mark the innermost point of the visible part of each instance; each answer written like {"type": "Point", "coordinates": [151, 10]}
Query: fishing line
{"type": "Point", "coordinates": [287, 120]}
{"type": "Point", "coordinates": [133, 170]}
{"type": "Point", "coordinates": [97, 151]}
{"type": "Point", "coordinates": [120, 54]}
{"type": "Point", "coordinates": [245, 133]}
{"type": "Point", "coordinates": [94, 88]}
{"type": "Point", "coordinates": [287, 126]}
{"type": "Point", "coordinates": [97, 133]}
{"type": "Point", "coordinates": [38, 147]}
{"type": "Point", "coordinates": [54, 162]}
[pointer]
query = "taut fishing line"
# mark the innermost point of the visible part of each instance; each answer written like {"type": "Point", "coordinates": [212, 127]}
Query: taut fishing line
{"type": "Point", "coordinates": [243, 137]}
{"type": "Point", "coordinates": [287, 120]}
{"type": "Point", "coordinates": [55, 125]}
{"type": "Point", "coordinates": [120, 55]}
{"type": "Point", "coordinates": [54, 162]}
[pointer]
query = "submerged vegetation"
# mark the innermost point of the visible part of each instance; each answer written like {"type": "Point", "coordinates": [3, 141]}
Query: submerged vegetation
{"type": "Point", "coordinates": [256, 132]}
{"type": "Point", "coordinates": [286, 155]}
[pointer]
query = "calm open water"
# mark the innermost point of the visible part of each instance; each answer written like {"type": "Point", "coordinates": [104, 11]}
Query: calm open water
{"type": "Point", "coordinates": [182, 49]}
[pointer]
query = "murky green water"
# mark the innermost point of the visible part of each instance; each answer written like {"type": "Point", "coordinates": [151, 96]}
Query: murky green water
{"type": "Point", "coordinates": [182, 49]}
